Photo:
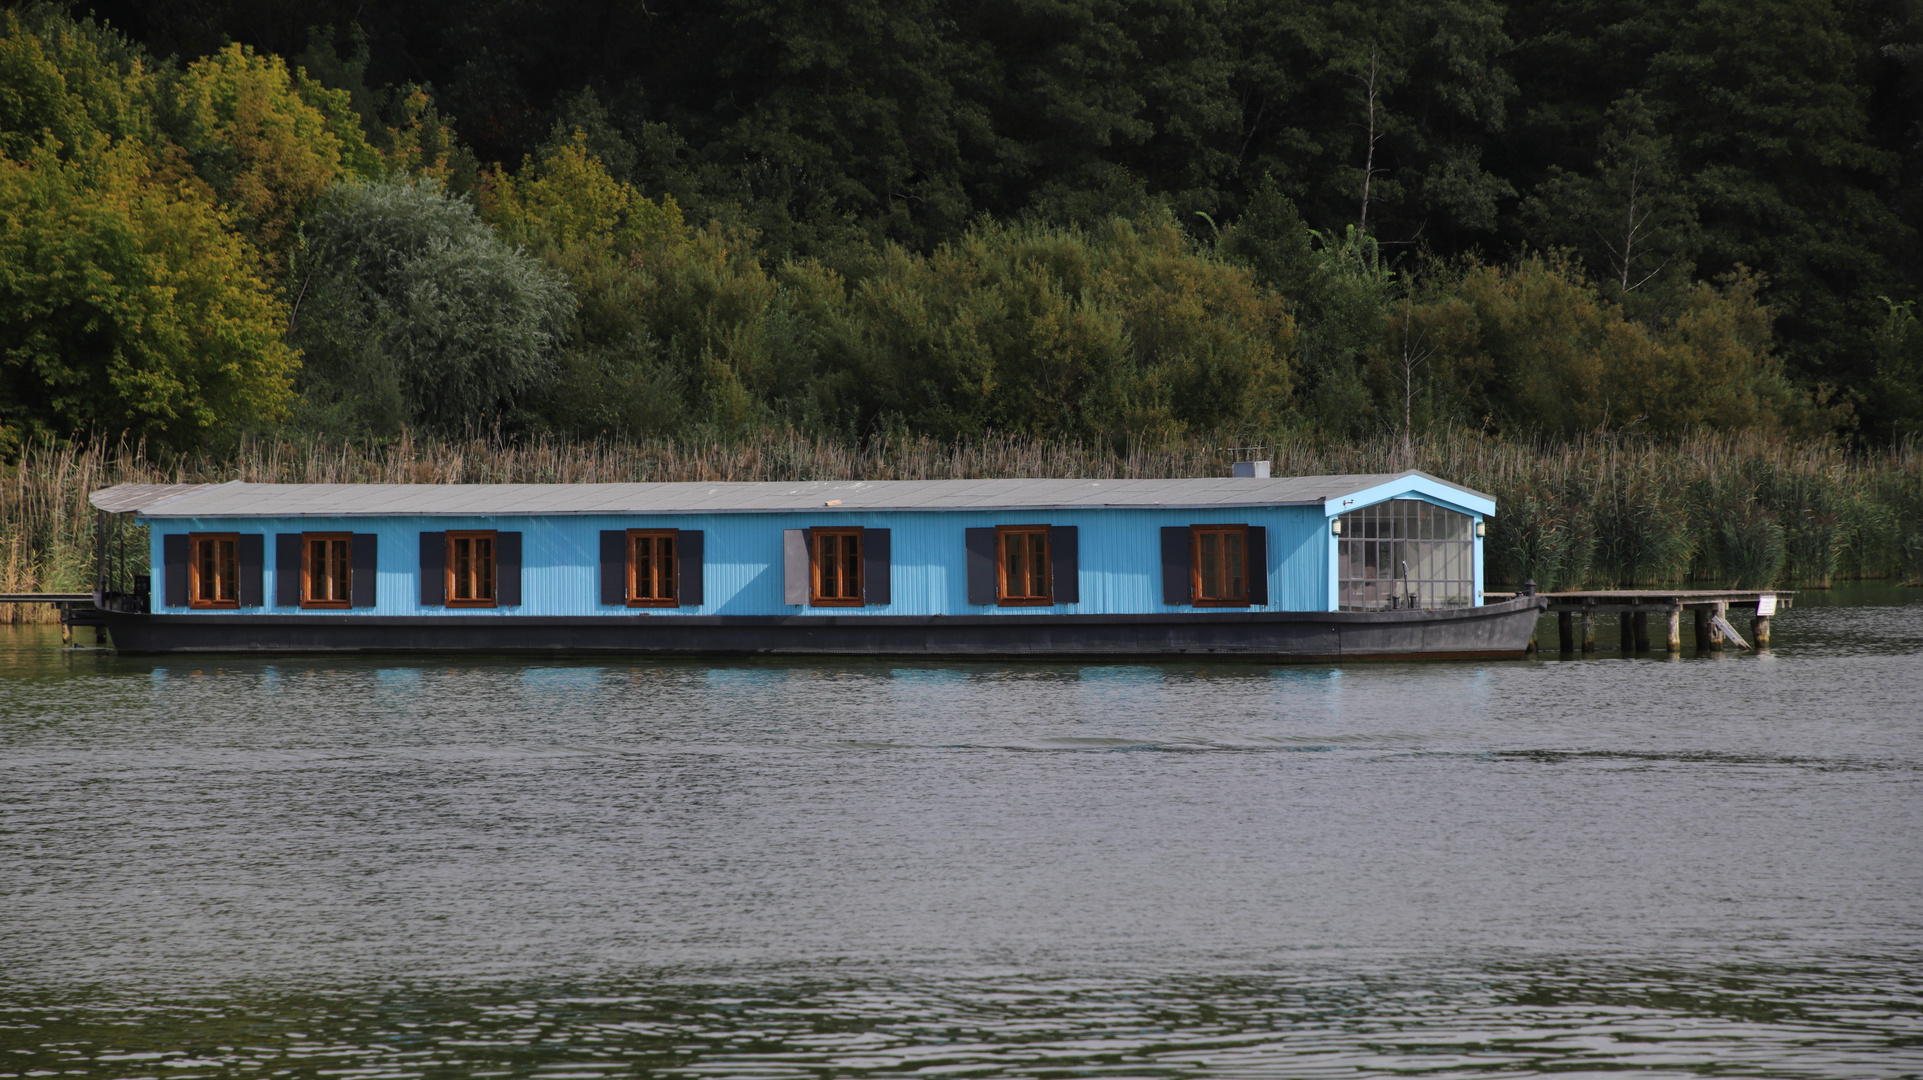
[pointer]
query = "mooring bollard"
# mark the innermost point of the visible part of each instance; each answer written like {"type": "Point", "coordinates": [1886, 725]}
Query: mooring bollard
{"type": "Point", "coordinates": [1675, 624]}
{"type": "Point", "coordinates": [1565, 632]}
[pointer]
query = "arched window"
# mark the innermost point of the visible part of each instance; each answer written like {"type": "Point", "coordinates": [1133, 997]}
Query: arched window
{"type": "Point", "coordinates": [1405, 553]}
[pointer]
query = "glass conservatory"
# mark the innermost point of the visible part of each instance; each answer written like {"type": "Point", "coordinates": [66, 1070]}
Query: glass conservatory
{"type": "Point", "coordinates": [1405, 553]}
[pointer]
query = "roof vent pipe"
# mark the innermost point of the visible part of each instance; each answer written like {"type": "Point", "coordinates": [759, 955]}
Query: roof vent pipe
{"type": "Point", "coordinates": [1257, 469]}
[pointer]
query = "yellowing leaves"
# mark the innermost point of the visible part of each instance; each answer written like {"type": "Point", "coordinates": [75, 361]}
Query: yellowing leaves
{"type": "Point", "coordinates": [265, 149]}
{"type": "Point", "coordinates": [1535, 347]}
{"type": "Point", "coordinates": [127, 305]}
{"type": "Point", "coordinates": [423, 145]}
{"type": "Point", "coordinates": [568, 197]}
{"type": "Point", "coordinates": [62, 84]}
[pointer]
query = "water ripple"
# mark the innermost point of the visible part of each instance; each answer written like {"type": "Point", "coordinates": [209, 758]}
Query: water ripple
{"type": "Point", "coordinates": [394, 867]}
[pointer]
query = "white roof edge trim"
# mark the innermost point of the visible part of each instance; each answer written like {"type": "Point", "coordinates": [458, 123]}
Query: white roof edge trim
{"type": "Point", "coordinates": [697, 511]}
{"type": "Point", "coordinates": [1399, 486]}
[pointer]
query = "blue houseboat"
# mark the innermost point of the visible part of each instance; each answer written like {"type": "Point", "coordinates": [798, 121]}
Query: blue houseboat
{"type": "Point", "coordinates": [1323, 567]}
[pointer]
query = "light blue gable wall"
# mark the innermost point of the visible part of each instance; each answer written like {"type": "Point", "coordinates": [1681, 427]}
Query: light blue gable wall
{"type": "Point", "coordinates": [1120, 554]}
{"type": "Point", "coordinates": [1301, 550]}
{"type": "Point", "coordinates": [1410, 487]}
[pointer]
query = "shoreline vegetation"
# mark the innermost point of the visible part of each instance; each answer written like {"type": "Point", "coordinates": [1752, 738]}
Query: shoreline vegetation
{"type": "Point", "coordinates": [1734, 510]}
{"type": "Point", "coordinates": [216, 241]}
{"type": "Point", "coordinates": [1402, 236]}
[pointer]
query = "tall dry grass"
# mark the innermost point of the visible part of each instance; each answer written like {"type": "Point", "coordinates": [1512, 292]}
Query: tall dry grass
{"type": "Point", "coordinates": [1737, 510]}
{"type": "Point", "coordinates": [46, 526]}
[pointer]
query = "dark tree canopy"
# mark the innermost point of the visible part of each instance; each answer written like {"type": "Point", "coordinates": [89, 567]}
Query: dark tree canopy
{"type": "Point", "coordinates": [1664, 158]}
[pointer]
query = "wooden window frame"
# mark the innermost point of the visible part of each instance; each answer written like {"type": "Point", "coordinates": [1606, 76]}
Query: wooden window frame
{"type": "Point", "coordinates": [815, 598]}
{"type": "Point", "coordinates": [194, 541]}
{"type": "Point", "coordinates": [492, 536]}
{"type": "Point", "coordinates": [307, 570]}
{"type": "Point", "coordinates": [1005, 597]}
{"type": "Point", "coordinates": [635, 599]}
{"type": "Point", "coordinates": [1196, 598]}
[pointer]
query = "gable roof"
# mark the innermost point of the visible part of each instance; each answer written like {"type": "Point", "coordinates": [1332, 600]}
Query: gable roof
{"type": "Point", "coordinates": [239, 499]}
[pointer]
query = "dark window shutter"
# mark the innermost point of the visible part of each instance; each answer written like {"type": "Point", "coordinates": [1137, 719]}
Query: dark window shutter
{"type": "Point", "coordinates": [1176, 571]}
{"type": "Point", "coordinates": [287, 558]}
{"type": "Point", "coordinates": [614, 567]}
{"type": "Point", "coordinates": [433, 569]}
{"type": "Point", "coordinates": [1258, 555]}
{"type": "Point", "coordinates": [981, 565]}
{"type": "Point", "coordinates": [687, 568]}
{"type": "Point", "coordinates": [174, 553]}
{"type": "Point", "coordinates": [250, 551]}
{"type": "Point", "coordinates": [366, 549]}
{"type": "Point", "coordinates": [507, 569]}
{"type": "Point", "coordinates": [1065, 558]}
{"type": "Point", "coordinates": [874, 567]}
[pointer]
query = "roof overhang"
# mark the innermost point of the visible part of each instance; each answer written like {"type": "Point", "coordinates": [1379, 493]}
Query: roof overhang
{"type": "Point", "coordinates": [236, 499]}
{"type": "Point", "coordinates": [1418, 484]}
{"type": "Point", "coordinates": [133, 498]}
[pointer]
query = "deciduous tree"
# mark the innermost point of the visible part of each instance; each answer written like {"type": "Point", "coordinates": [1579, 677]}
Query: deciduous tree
{"type": "Point", "coordinates": [127, 306]}
{"type": "Point", "coordinates": [412, 311]}
{"type": "Point", "coordinates": [253, 130]}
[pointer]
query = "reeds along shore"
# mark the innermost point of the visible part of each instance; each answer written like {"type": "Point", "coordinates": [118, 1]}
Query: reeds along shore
{"type": "Point", "coordinates": [1740, 511]}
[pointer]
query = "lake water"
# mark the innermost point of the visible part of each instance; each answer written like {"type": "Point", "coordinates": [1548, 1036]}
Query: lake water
{"type": "Point", "coordinates": [387, 868]}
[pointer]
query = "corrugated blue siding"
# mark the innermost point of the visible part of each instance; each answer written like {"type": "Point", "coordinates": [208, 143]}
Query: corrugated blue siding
{"type": "Point", "coordinates": [1120, 558]}
{"type": "Point", "coordinates": [1300, 555]}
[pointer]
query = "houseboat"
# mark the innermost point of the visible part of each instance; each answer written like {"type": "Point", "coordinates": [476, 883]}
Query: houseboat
{"type": "Point", "coordinates": [1249, 566]}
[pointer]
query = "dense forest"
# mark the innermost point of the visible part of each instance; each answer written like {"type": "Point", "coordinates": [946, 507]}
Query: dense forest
{"type": "Point", "coordinates": [1086, 219]}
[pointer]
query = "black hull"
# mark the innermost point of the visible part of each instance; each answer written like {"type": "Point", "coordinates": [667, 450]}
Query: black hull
{"type": "Point", "coordinates": [1492, 631]}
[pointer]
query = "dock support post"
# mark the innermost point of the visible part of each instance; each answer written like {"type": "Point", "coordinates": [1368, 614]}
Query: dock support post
{"type": "Point", "coordinates": [1565, 632]}
{"type": "Point", "coordinates": [1589, 626]}
{"type": "Point", "coordinates": [1759, 632]}
{"type": "Point", "coordinates": [1716, 631]}
{"type": "Point", "coordinates": [1641, 623]}
{"type": "Point", "coordinates": [1675, 621]}
{"type": "Point", "coordinates": [66, 630]}
{"type": "Point", "coordinates": [1626, 626]}
{"type": "Point", "coordinates": [1702, 629]}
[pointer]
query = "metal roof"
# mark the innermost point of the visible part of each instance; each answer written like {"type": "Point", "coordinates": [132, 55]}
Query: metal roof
{"type": "Point", "coordinates": [124, 498]}
{"type": "Point", "coordinates": [238, 499]}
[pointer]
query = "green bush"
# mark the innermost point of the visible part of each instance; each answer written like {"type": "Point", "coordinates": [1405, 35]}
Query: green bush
{"type": "Point", "coordinates": [411, 311]}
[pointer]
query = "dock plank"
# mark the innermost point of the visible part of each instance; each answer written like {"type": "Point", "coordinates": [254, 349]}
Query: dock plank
{"type": "Point", "coordinates": [1647, 600]}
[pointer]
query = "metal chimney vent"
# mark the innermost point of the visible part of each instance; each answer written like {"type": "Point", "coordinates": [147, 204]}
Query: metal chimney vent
{"type": "Point", "coordinates": [1250, 461]}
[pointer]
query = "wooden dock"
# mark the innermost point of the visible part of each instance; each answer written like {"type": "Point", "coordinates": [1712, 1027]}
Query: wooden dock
{"type": "Point", "coordinates": [76, 609]}
{"type": "Point", "coordinates": [1576, 616]}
